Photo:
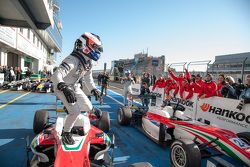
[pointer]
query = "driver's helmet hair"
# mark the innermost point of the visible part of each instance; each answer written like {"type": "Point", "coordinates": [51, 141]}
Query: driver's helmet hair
{"type": "Point", "coordinates": [127, 73]}
{"type": "Point", "coordinates": [90, 45]}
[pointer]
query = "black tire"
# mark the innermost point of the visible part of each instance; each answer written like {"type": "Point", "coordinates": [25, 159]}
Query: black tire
{"type": "Point", "coordinates": [40, 121]}
{"type": "Point", "coordinates": [162, 135]}
{"type": "Point", "coordinates": [185, 153]}
{"type": "Point", "coordinates": [244, 136]}
{"type": "Point", "coordinates": [141, 164]}
{"type": "Point", "coordinates": [104, 122]}
{"type": "Point", "coordinates": [124, 116]}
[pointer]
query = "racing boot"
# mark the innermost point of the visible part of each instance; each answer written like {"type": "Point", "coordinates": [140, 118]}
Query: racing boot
{"type": "Point", "coordinates": [67, 138]}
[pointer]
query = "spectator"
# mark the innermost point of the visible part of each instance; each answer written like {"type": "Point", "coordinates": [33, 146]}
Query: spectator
{"type": "Point", "coordinates": [145, 78]}
{"type": "Point", "coordinates": [133, 76]}
{"type": "Point", "coordinates": [12, 74]}
{"type": "Point", "coordinates": [144, 92]}
{"type": "Point", "coordinates": [239, 88]}
{"type": "Point", "coordinates": [245, 95]}
{"type": "Point", "coordinates": [153, 79]}
{"type": "Point", "coordinates": [221, 82]}
{"type": "Point", "coordinates": [18, 74]}
{"type": "Point", "coordinates": [209, 88]}
{"type": "Point", "coordinates": [104, 82]}
{"type": "Point", "coordinates": [160, 83]}
{"type": "Point", "coordinates": [227, 89]}
{"type": "Point", "coordinates": [28, 73]}
{"type": "Point", "coordinates": [6, 73]}
{"type": "Point", "coordinates": [99, 77]}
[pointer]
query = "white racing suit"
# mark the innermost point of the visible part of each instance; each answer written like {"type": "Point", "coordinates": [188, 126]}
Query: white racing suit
{"type": "Point", "coordinates": [127, 83]}
{"type": "Point", "coordinates": [70, 71]}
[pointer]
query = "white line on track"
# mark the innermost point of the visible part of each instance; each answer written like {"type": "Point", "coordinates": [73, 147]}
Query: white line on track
{"type": "Point", "coordinates": [4, 91]}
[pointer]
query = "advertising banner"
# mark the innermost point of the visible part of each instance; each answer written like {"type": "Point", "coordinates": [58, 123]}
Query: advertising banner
{"type": "Point", "coordinates": [222, 112]}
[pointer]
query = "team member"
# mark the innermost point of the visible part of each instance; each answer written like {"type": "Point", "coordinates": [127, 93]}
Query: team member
{"type": "Point", "coordinates": [197, 84]}
{"type": "Point", "coordinates": [179, 80]}
{"type": "Point", "coordinates": [66, 80]}
{"type": "Point", "coordinates": [160, 83]}
{"type": "Point", "coordinates": [209, 88]}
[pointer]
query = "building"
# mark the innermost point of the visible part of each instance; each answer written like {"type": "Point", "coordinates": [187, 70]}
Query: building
{"type": "Point", "coordinates": [235, 65]}
{"type": "Point", "coordinates": [29, 34]}
{"type": "Point", "coordinates": [139, 64]}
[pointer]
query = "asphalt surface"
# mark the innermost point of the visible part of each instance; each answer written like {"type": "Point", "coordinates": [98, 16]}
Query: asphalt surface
{"type": "Point", "coordinates": [16, 120]}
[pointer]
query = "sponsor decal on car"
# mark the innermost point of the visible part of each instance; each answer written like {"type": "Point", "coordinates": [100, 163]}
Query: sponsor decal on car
{"type": "Point", "coordinates": [239, 143]}
{"type": "Point", "coordinates": [186, 103]}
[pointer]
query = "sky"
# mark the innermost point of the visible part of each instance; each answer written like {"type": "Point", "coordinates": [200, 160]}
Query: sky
{"type": "Point", "coordinates": [182, 30]}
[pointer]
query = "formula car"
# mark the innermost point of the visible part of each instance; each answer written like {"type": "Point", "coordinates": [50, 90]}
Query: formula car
{"type": "Point", "coordinates": [45, 87]}
{"type": "Point", "coordinates": [98, 118]}
{"type": "Point", "coordinates": [92, 146]}
{"type": "Point", "coordinates": [168, 125]}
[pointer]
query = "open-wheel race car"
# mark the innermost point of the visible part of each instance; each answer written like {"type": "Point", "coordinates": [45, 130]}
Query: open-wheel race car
{"type": "Point", "coordinates": [188, 138]}
{"type": "Point", "coordinates": [45, 87]}
{"type": "Point", "coordinates": [92, 146]}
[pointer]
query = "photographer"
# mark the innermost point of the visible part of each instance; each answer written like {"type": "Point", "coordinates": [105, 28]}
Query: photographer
{"type": "Point", "coordinates": [228, 89]}
{"type": "Point", "coordinates": [245, 95]}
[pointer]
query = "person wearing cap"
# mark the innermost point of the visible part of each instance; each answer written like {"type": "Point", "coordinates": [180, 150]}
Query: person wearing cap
{"type": "Point", "coordinates": [209, 88]}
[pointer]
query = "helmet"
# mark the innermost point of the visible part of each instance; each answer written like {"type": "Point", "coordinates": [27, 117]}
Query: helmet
{"type": "Point", "coordinates": [127, 73]}
{"type": "Point", "coordinates": [90, 45]}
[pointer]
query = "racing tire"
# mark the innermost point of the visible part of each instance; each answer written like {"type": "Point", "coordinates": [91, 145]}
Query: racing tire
{"type": "Point", "coordinates": [104, 122]}
{"type": "Point", "coordinates": [40, 121]}
{"type": "Point", "coordinates": [124, 116]}
{"type": "Point", "coordinates": [244, 136]}
{"type": "Point", "coordinates": [185, 153]}
{"type": "Point", "coordinates": [162, 135]}
{"type": "Point", "coordinates": [141, 164]}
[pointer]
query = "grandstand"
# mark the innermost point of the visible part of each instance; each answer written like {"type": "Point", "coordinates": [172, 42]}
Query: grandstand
{"type": "Point", "coordinates": [236, 65]}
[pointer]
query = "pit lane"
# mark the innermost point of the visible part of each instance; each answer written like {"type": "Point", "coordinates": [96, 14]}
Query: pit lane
{"type": "Point", "coordinates": [16, 120]}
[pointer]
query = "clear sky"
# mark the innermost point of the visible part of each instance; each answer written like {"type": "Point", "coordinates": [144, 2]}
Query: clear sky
{"type": "Point", "coordinates": [182, 30]}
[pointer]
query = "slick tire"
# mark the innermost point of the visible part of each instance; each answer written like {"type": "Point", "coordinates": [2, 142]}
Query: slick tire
{"type": "Point", "coordinates": [104, 122]}
{"type": "Point", "coordinates": [40, 121]}
{"type": "Point", "coordinates": [162, 134]}
{"type": "Point", "coordinates": [124, 116]}
{"type": "Point", "coordinates": [185, 153]}
{"type": "Point", "coordinates": [244, 136]}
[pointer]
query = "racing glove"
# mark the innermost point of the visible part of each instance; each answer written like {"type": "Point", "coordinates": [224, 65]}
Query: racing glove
{"type": "Point", "coordinates": [96, 94]}
{"type": "Point", "coordinates": [68, 93]}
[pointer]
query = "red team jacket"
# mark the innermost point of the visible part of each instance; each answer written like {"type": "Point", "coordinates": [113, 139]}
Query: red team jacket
{"type": "Point", "coordinates": [209, 89]}
{"type": "Point", "coordinates": [160, 83]}
{"type": "Point", "coordinates": [179, 80]}
{"type": "Point", "coordinates": [197, 86]}
{"type": "Point", "coordinates": [188, 88]}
